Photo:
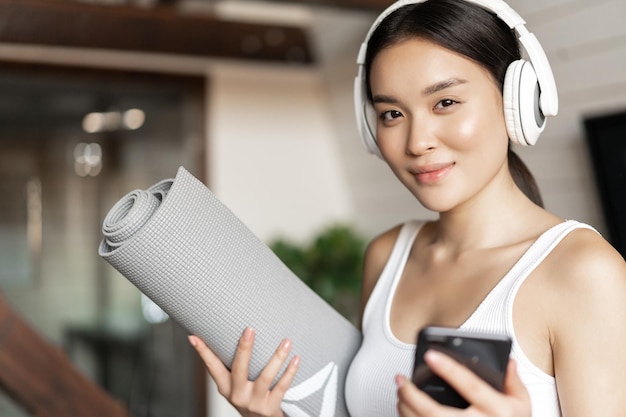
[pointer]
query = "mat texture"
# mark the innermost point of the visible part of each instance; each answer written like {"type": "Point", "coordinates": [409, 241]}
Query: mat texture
{"type": "Point", "coordinates": [185, 250]}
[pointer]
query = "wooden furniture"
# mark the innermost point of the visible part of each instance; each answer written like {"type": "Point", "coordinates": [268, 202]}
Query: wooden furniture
{"type": "Point", "coordinates": [41, 379]}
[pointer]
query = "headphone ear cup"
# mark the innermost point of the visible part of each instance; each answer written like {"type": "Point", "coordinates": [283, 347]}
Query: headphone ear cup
{"type": "Point", "coordinates": [369, 129]}
{"type": "Point", "coordinates": [365, 115]}
{"type": "Point", "coordinates": [522, 113]}
{"type": "Point", "coordinates": [510, 101]}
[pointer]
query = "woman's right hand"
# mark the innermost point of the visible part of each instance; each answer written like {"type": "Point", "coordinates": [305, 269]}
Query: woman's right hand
{"type": "Point", "coordinates": [250, 398]}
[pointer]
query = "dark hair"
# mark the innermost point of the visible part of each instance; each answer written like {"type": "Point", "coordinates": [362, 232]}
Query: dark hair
{"type": "Point", "coordinates": [467, 29]}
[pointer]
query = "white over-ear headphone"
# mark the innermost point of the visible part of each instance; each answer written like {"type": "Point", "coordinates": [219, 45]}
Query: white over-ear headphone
{"type": "Point", "coordinates": [529, 93]}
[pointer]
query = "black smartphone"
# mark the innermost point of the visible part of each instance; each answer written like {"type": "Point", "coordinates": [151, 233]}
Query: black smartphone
{"type": "Point", "coordinates": [485, 354]}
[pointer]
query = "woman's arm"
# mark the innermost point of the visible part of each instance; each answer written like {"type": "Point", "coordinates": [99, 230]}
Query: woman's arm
{"type": "Point", "coordinates": [589, 342]}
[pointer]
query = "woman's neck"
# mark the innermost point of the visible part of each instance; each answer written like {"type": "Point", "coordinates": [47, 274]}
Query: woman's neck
{"type": "Point", "coordinates": [494, 218]}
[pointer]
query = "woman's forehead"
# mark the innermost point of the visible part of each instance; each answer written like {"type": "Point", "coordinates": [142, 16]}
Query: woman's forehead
{"type": "Point", "coordinates": [422, 62]}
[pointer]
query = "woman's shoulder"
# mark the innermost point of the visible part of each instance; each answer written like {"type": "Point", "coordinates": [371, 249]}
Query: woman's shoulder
{"type": "Point", "coordinates": [585, 252]}
{"type": "Point", "coordinates": [377, 255]}
{"type": "Point", "coordinates": [589, 270]}
{"type": "Point", "coordinates": [378, 251]}
{"type": "Point", "coordinates": [379, 248]}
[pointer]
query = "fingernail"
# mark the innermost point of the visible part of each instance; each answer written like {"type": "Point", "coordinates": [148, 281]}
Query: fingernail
{"type": "Point", "coordinates": [192, 340]}
{"type": "Point", "coordinates": [432, 356]}
{"type": "Point", "coordinates": [247, 334]}
{"type": "Point", "coordinates": [400, 380]}
{"type": "Point", "coordinates": [295, 361]}
{"type": "Point", "coordinates": [286, 345]}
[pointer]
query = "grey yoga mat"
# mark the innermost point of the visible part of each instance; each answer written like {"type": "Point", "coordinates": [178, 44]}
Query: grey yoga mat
{"type": "Point", "coordinates": [185, 250]}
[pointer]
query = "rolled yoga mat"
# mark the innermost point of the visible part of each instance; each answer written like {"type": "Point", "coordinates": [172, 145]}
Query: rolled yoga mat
{"type": "Point", "coordinates": [185, 250]}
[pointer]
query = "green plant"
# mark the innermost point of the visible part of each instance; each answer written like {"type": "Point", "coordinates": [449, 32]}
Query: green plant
{"type": "Point", "coordinates": [331, 265]}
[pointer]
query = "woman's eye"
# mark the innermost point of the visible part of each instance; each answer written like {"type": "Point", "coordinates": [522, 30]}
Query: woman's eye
{"type": "Point", "coordinates": [390, 115]}
{"type": "Point", "coordinates": [446, 102]}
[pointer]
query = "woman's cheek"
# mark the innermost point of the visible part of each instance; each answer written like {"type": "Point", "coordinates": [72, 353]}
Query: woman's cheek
{"type": "Point", "coordinates": [391, 141]}
{"type": "Point", "coordinates": [464, 132]}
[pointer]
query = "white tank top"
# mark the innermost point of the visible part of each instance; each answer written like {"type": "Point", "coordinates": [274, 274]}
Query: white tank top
{"type": "Point", "coordinates": [370, 388]}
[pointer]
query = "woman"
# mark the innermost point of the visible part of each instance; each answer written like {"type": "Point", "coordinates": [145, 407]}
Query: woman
{"type": "Point", "coordinates": [494, 260]}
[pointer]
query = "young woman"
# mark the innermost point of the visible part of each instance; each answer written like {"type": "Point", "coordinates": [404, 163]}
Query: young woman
{"type": "Point", "coordinates": [493, 261]}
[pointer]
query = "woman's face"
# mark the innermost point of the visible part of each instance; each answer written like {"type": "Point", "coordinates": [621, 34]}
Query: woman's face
{"type": "Point", "coordinates": [440, 123]}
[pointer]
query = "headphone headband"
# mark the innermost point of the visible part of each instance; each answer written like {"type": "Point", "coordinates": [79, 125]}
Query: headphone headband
{"type": "Point", "coordinates": [501, 9]}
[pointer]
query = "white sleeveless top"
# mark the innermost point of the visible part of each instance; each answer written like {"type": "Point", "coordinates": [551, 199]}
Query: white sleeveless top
{"type": "Point", "coordinates": [370, 387]}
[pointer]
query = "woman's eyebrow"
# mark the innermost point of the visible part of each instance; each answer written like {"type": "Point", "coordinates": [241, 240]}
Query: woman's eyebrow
{"type": "Point", "coordinates": [431, 89]}
{"type": "Point", "coordinates": [442, 85]}
{"type": "Point", "coordinates": [380, 98]}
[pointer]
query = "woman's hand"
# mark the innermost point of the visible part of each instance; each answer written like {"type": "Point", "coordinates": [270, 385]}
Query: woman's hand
{"type": "Point", "coordinates": [484, 400]}
{"type": "Point", "coordinates": [250, 398]}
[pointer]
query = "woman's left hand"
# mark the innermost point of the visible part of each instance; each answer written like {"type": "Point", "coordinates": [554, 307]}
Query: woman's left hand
{"type": "Point", "coordinates": [484, 401]}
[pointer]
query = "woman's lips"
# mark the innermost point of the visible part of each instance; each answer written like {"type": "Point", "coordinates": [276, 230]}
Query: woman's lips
{"type": "Point", "coordinates": [429, 174]}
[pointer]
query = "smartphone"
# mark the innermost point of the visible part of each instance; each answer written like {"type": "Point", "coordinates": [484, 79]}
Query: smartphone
{"type": "Point", "coordinates": [485, 354]}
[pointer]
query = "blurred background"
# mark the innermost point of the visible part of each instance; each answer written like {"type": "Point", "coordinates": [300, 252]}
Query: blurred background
{"type": "Point", "coordinates": [101, 97]}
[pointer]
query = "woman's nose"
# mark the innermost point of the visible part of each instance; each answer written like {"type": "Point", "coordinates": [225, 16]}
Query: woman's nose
{"type": "Point", "coordinates": [420, 140]}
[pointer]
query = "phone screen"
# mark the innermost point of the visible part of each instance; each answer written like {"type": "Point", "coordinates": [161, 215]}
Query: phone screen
{"type": "Point", "coordinates": [485, 354]}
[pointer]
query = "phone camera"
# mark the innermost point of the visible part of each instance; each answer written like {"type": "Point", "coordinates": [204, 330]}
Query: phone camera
{"type": "Point", "coordinates": [457, 341]}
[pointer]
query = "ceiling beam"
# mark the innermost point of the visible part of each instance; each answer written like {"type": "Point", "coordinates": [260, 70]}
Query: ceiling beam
{"type": "Point", "coordinates": [365, 5]}
{"type": "Point", "coordinates": [154, 30]}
